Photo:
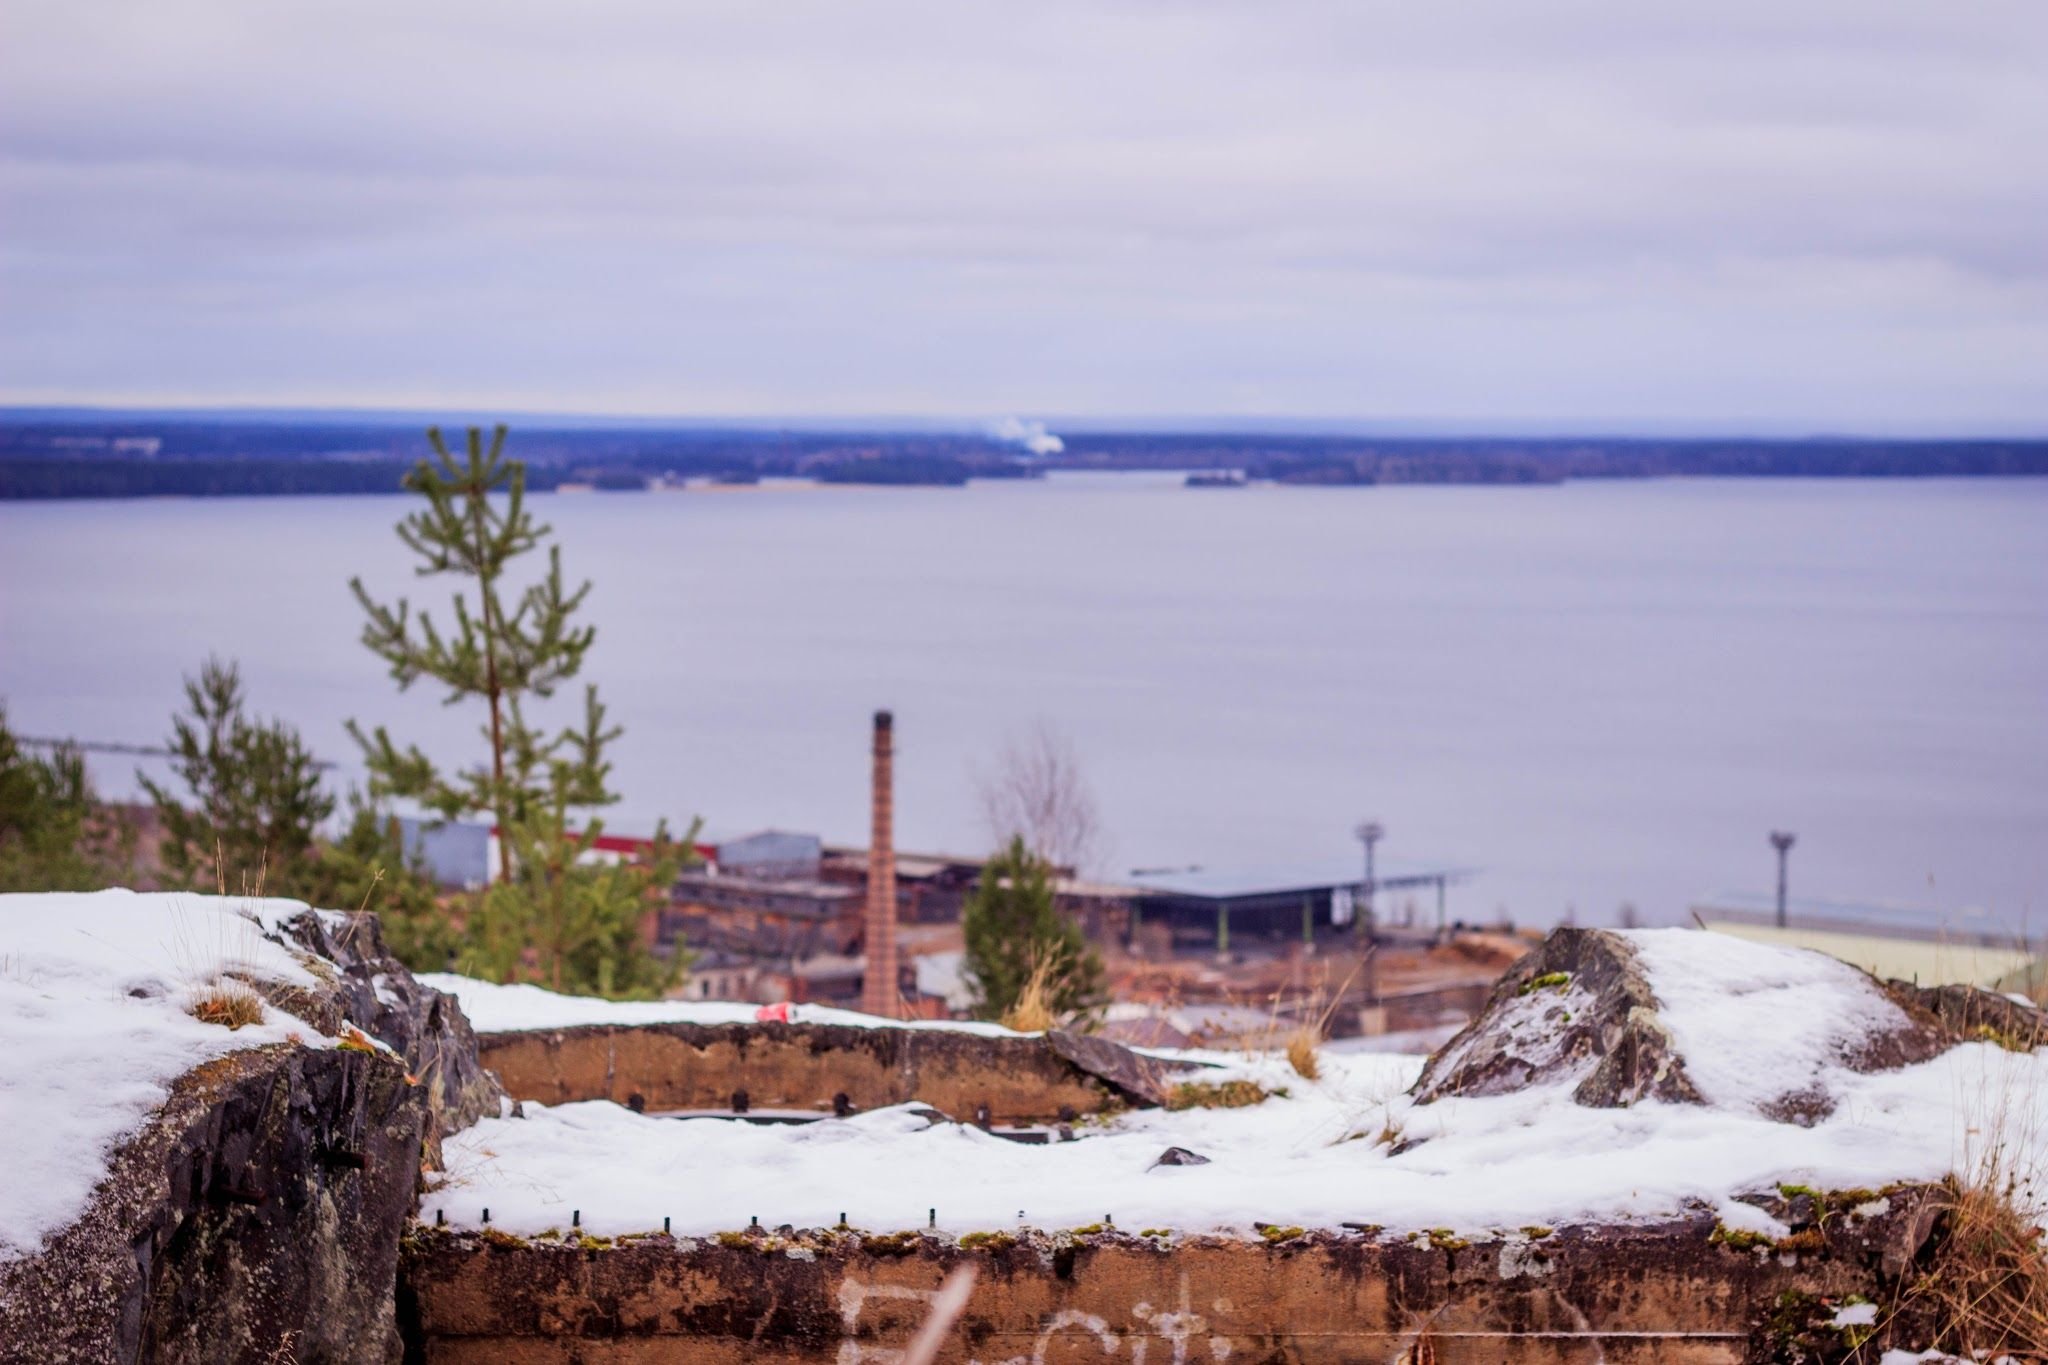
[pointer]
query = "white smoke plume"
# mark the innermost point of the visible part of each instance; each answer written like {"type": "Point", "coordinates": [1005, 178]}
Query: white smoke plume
{"type": "Point", "coordinates": [1031, 435]}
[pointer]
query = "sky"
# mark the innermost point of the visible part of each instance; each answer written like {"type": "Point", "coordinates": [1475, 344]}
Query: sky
{"type": "Point", "coordinates": [1736, 216]}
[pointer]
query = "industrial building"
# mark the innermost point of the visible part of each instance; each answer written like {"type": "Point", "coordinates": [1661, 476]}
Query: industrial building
{"type": "Point", "coordinates": [1903, 943]}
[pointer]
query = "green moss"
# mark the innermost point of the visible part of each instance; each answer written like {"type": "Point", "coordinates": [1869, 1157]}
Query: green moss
{"type": "Point", "coordinates": [1794, 1191]}
{"type": "Point", "coordinates": [1536, 1232]}
{"type": "Point", "coordinates": [1738, 1239]}
{"type": "Point", "coordinates": [1274, 1233]}
{"type": "Point", "coordinates": [1090, 1229]}
{"type": "Point", "coordinates": [1790, 1326]}
{"type": "Point", "coordinates": [1561, 980]}
{"type": "Point", "coordinates": [890, 1244]}
{"type": "Point", "coordinates": [988, 1241]}
{"type": "Point", "coordinates": [1157, 1232]}
{"type": "Point", "coordinates": [1443, 1239]}
{"type": "Point", "coordinates": [1211, 1095]}
{"type": "Point", "coordinates": [493, 1237]}
{"type": "Point", "coordinates": [1845, 1200]}
{"type": "Point", "coordinates": [2011, 1042]}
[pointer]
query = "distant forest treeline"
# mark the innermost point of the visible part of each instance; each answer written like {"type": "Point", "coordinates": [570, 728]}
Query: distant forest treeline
{"type": "Point", "coordinates": [198, 458]}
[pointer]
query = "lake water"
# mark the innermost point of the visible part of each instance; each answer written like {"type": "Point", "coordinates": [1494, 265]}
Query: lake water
{"type": "Point", "coordinates": [1594, 694]}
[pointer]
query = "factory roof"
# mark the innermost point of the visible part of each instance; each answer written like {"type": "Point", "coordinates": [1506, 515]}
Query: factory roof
{"type": "Point", "coordinates": [1967, 924]}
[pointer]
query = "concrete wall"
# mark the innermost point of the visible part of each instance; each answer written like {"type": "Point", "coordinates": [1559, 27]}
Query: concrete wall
{"type": "Point", "coordinates": [1666, 1294]}
{"type": "Point", "coordinates": [793, 1066]}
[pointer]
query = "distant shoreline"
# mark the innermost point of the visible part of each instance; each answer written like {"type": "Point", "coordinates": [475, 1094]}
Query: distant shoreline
{"type": "Point", "coordinates": [135, 457]}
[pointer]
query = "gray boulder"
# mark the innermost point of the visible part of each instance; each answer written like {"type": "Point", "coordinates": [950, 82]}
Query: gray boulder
{"type": "Point", "coordinates": [1581, 1007]}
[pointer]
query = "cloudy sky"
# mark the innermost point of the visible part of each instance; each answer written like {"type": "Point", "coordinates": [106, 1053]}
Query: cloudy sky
{"type": "Point", "coordinates": [1746, 214]}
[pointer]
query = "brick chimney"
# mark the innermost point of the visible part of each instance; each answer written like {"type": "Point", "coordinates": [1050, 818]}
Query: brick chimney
{"type": "Point", "coordinates": [878, 992]}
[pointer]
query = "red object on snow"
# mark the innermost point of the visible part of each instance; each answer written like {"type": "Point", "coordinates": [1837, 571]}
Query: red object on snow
{"type": "Point", "coordinates": [773, 1014]}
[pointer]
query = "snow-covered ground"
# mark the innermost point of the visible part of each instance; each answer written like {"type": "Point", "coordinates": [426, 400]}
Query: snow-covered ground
{"type": "Point", "coordinates": [494, 1008]}
{"type": "Point", "coordinates": [1753, 1021]}
{"type": "Point", "coordinates": [94, 1024]}
{"type": "Point", "coordinates": [94, 994]}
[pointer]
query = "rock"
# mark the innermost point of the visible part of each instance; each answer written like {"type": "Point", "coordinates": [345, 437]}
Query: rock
{"type": "Point", "coordinates": [1141, 1078]}
{"type": "Point", "coordinates": [256, 1216]}
{"type": "Point", "coordinates": [1967, 1014]}
{"type": "Point", "coordinates": [1581, 1007]}
{"type": "Point", "coordinates": [1180, 1156]}
{"type": "Point", "coordinates": [1579, 1003]}
{"type": "Point", "coordinates": [363, 984]}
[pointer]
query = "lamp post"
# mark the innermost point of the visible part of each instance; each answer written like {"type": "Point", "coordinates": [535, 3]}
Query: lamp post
{"type": "Point", "coordinates": [1782, 840]}
{"type": "Point", "coordinates": [1368, 834]}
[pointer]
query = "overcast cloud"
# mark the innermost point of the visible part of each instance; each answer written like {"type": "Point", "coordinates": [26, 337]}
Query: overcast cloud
{"type": "Point", "coordinates": [1821, 216]}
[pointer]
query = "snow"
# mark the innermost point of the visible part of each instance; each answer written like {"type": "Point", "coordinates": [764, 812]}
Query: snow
{"type": "Point", "coordinates": [1722, 997]}
{"type": "Point", "coordinates": [495, 1008]}
{"type": "Point", "coordinates": [93, 1026]}
{"type": "Point", "coordinates": [1751, 1023]}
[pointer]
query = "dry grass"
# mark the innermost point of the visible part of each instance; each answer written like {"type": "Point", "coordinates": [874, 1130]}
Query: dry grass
{"type": "Point", "coordinates": [1988, 1283]}
{"type": "Point", "coordinates": [1982, 1284]}
{"type": "Point", "coordinates": [1032, 1012]}
{"type": "Point", "coordinates": [1306, 1040]}
{"type": "Point", "coordinates": [229, 1004]}
{"type": "Point", "coordinates": [1301, 1052]}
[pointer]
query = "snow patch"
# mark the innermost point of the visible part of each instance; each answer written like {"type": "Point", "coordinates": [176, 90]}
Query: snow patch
{"type": "Point", "coordinates": [1320, 1156]}
{"type": "Point", "coordinates": [494, 1008]}
{"type": "Point", "coordinates": [94, 1025]}
{"type": "Point", "coordinates": [1755, 1022]}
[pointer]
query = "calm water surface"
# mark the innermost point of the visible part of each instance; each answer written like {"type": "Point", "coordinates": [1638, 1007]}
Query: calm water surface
{"type": "Point", "coordinates": [1597, 693]}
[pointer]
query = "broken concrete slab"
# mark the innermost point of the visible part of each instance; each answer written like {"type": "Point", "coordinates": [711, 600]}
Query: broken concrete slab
{"type": "Point", "coordinates": [1144, 1079]}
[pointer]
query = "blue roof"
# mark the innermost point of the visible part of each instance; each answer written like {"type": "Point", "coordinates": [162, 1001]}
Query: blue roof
{"type": "Point", "coordinates": [1240, 883]}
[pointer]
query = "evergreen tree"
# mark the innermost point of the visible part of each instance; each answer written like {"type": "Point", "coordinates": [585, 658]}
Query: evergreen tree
{"type": "Point", "coordinates": [1011, 925]}
{"type": "Point", "coordinates": [367, 869]}
{"type": "Point", "coordinates": [257, 803]}
{"type": "Point", "coordinates": [54, 833]}
{"type": "Point", "coordinates": [552, 914]}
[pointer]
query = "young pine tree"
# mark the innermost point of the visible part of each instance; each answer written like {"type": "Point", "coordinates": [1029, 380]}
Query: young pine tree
{"type": "Point", "coordinates": [551, 914]}
{"type": "Point", "coordinates": [54, 833]}
{"type": "Point", "coordinates": [255, 794]}
{"type": "Point", "coordinates": [1012, 927]}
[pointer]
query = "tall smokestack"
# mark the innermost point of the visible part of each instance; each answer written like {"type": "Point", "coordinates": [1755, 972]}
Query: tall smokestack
{"type": "Point", "coordinates": [878, 994]}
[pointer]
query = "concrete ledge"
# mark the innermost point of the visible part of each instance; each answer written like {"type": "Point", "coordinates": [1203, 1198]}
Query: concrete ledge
{"type": "Point", "coordinates": [1669, 1293]}
{"type": "Point", "coordinates": [795, 1066]}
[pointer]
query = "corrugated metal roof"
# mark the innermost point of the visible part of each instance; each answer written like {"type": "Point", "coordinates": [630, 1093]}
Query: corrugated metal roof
{"type": "Point", "coordinates": [1883, 920]}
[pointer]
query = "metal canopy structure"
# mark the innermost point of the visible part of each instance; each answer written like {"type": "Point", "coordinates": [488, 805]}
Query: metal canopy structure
{"type": "Point", "coordinates": [1276, 901]}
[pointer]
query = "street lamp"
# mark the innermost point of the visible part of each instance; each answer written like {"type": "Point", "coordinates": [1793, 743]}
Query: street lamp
{"type": "Point", "coordinates": [1782, 841]}
{"type": "Point", "coordinates": [1369, 834]}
